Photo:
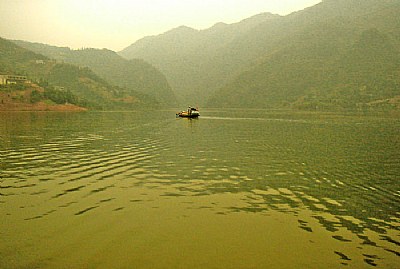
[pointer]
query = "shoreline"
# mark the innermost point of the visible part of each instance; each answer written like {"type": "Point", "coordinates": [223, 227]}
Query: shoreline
{"type": "Point", "coordinates": [21, 107]}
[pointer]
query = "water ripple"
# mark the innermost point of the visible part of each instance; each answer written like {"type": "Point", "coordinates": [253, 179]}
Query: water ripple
{"type": "Point", "coordinates": [329, 177]}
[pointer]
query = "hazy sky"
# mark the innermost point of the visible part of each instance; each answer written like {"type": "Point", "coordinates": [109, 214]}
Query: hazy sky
{"type": "Point", "coordinates": [115, 24]}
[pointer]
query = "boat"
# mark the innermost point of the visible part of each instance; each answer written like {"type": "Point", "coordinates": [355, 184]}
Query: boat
{"type": "Point", "coordinates": [191, 112]}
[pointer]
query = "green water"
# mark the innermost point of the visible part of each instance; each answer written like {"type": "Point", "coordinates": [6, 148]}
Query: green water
{"type": "Point", "coordinates": [232, 189]}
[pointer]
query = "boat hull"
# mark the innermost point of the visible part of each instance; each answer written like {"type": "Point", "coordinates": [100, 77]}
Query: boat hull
{"type": "Point", "coordinates": [185, 114]}
{"type": "Point", "coordinates": [188, 116]}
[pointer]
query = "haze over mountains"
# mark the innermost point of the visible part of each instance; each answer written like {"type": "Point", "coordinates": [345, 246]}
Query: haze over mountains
{"type": "Point", "coordinates": [339, 54]}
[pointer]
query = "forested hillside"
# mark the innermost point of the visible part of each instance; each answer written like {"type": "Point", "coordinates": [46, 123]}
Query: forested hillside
{"type": "Point", "coordinates": [133, 75]}
{"type": "Point", "coordinates": [57, 79]}
{"type": "Point", "coordinates": [338, 63]}
{"type": "Point", "coordinates": [339, 54]}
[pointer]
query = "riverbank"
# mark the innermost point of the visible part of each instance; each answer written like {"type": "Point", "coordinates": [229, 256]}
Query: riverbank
{"type": "Point", "coordinates": [40, 106]}
{"type": "Point", "coordinates": [31, 97]}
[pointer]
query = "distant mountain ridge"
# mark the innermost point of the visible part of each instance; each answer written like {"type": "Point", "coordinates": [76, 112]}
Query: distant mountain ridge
{"type": "Point", "coordinates": [186, 56]}
{"type": "Point", "coordinates": [184, 39]}
{"type": "Point", "coordinates": [305, 60]}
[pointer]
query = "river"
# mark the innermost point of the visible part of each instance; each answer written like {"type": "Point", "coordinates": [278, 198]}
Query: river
{"type": "Point", "coordinates": [232, 189]}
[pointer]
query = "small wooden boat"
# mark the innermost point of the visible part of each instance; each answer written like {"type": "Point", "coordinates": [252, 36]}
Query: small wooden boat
{"type": "Point", "coordinates": [190, 113]}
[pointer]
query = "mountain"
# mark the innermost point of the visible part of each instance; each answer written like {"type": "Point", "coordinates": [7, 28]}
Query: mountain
{"type": "Point", "coordinates": [14, 58]}
{"type": "Point", "coordinates": [193, 61]}
{"type": "Point", "coordinates": [133, 75]}
{"type": "Point", "coordinates": [349, 61]}
{"type": "Point", "coordinates": [64, 82]}
{"type": "Point", "coordinates": [327, 56]}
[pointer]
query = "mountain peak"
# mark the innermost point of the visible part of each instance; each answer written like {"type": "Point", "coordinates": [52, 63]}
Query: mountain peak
{"type": "Point", "coordinates": [183, 29]}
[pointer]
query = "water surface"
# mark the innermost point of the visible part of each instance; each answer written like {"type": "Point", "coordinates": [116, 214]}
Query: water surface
{"type": "Point", "coordinates": [233, 189]}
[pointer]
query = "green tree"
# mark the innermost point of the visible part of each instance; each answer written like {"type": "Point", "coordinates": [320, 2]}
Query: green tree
{"type": "Point", "coordinates": [36, 96]}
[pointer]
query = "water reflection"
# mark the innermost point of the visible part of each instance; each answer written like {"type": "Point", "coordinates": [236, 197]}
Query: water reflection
{"type": "Point", "coordinates": [329, 173]}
